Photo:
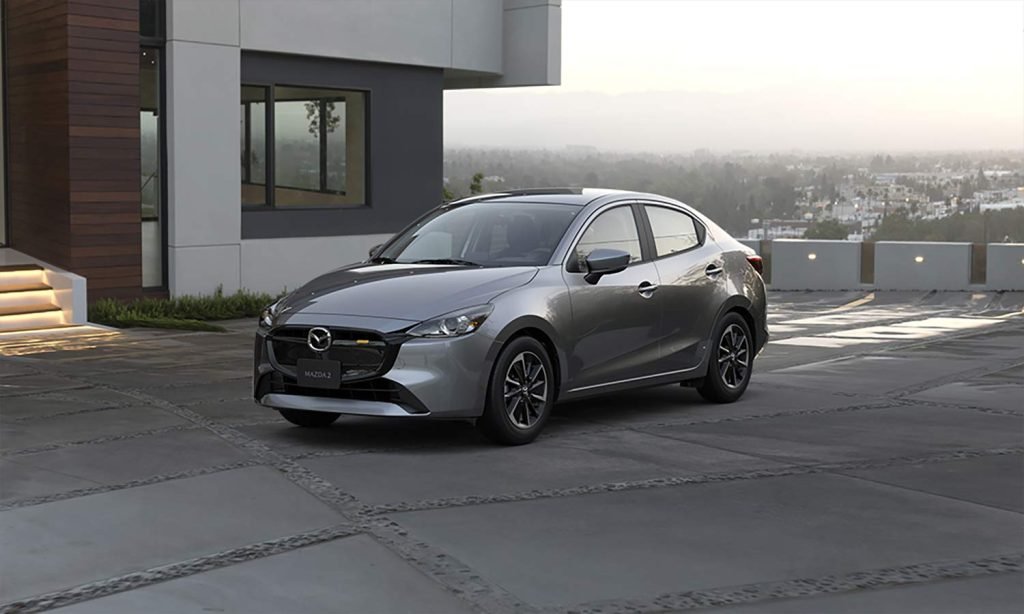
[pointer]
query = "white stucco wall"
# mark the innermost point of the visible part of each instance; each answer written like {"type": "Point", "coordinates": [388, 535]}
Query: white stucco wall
{"type": "Point", "coordinates": [204, 213]}
{"type": "Point", "coordinates": [942, 266]}
{"type": "Point", "coordinates": [507, 42]}
{"type": "Point", "coordinates": [273, 265]}
{"type": "Point", "coordinates": [1005, 266]}
{"type": "Point", "coordinates": [815, 265]}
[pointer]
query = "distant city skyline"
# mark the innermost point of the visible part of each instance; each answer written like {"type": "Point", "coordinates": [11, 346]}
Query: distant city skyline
{"type": "Point", "coordinates": [676, 76]}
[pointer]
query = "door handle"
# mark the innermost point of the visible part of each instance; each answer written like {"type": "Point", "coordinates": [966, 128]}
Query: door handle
{"type": "Point", "coordinates": [713, 270]}
{"type": "Point", "coordinates": [646, 289]}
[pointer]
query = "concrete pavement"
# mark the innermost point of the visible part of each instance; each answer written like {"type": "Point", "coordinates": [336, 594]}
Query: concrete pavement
{"type": "Point", "coordinates": [875, 465]}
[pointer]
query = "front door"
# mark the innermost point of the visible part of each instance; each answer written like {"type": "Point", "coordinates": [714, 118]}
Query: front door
{"type": "Point", "coordinates": [615, 321]}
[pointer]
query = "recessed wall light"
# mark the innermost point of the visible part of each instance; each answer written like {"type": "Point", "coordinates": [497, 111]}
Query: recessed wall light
{"type": "Point", "coordinates": [812, 256]}
{"type": "Point", "coordinates": [919, 259]}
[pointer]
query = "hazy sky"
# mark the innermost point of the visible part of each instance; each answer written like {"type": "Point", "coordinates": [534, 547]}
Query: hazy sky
{"type": "Point", "coordinates": [677, 75]}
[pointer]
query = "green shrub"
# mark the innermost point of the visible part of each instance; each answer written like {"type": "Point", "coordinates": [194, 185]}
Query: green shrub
{"type": "Point", "coordinates": [183, 312]}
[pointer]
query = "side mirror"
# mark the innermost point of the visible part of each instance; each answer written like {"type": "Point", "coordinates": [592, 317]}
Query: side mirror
{"type": "Point", "coordinates": [375, 249]}
{"type": "Point", "coordinates": [605, 262]}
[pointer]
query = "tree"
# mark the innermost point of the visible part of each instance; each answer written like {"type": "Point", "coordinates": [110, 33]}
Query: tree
{"type": "Point", "coordinates": [476, 186]}
{"type": "Point", "coordinates": [826, 229]}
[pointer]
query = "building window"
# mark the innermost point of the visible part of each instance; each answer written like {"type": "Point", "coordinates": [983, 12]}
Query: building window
{"type": "Point", "coordinates": [254, 145]}
{"type": "Point", "coordinates": [151, 188]}
{"type": "Point", "coordinates": [312, 145]}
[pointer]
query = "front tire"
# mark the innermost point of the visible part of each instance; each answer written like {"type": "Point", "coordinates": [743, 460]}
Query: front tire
{"type": "Point", "coordinates": [731, 361]}
{"type": "Point", "coordinates": [520, 395]}
{"type": "Point", "coordinates": [308, 419]}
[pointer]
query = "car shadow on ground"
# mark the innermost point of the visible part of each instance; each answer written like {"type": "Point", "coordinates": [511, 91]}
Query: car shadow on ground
{"type": "Point", "coordinates": [355, 434]}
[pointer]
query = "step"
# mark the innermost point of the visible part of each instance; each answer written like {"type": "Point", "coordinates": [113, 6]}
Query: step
{"type": "Point", "coordinates": [32, 320]}
{"type": "Point", "coordinates": [4, 268]}
{"type": "Point", "coordinates": [32, 329]}
{"type": "Point", "coordinates": [21, 274]}
{"type": "Point", "coordinates": [26, 297]}
{"type": "Point", "coordinates": [17, 310]}
{"type": "Point", "coordinates": [23, 287]}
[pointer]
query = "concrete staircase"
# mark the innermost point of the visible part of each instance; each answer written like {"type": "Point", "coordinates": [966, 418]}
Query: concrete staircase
{"type": "Point", "coordinates": [35, 296]}
{"type": "Point", "coordinates": [27, 302]}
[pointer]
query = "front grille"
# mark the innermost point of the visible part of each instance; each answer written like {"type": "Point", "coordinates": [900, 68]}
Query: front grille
{"type": "Point", "coordinates": [362, 354]}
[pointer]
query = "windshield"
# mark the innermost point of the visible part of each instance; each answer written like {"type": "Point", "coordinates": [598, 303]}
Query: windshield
{"type": "Point", "coordinates": [485, 234]}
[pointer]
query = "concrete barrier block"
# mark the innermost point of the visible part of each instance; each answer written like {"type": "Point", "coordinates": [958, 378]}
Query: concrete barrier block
{"type": "Point", "coordinates": [815, 265]}
{"type": "Point", "coordinates": [915, 265]}
{"type": "Point", "coordinates": [1004, 266]}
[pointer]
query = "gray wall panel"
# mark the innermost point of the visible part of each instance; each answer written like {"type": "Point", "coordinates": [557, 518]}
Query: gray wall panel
{"type": "Point", "coordinates": [405, 144]}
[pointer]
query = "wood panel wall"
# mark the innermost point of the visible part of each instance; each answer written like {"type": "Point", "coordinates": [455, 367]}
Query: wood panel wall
{"type": "Point", "coordinates": [74, 155]}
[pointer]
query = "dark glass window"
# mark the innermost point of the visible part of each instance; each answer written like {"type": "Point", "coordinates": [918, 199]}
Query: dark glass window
{"type": "Point", "coordinates": [613, 229]}
{"type": "Point", "coordinates": [674, 231]}
{"type": "Point", "coordinates": [151, 152]}
{"type": "Point", "coordinates": [316, 141]}
{"type": "Point", "coordinates": [254, 145]}
{"type": "Point", "coordinates": [151, 18]}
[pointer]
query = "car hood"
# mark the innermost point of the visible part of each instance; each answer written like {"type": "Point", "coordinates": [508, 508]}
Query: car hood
{"type": "Point", "coordinates": [401, 293]}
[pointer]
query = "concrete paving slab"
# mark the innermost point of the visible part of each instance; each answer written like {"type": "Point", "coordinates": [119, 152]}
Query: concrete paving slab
{"type": "Point", "coordinates": [668, 404]}
{"type": "Point", "coordinates": [1000, 390]}
{"type": "Point", "coordinates": [105, 535]}
{"type": "Point", "coordinates": [355, 574]}
{"type": "Point", "coordinates": [50, 403]}
{"type": "Point", "coordinates": [81, 427]}
{"type": "Point", "coordinates": [33, 383]}
{"type": "Point", "coordinates": [881, 373]}
{"type": "Point", "coordinates": [104, 464]}
{"type": "Point", "coordinates": [557, 552]}
{"type": "Point", "coordinates": [553, 463]}
{"type": "Point", "coordinates": [351, 434]}
{"type": "Point", "coordinates": [18, 481]}
{"type": "Point", "coordinates": [858, 435]}
{"type": "Point", "coordinates": [233, 410]}
{"type": "Point", "coordinates": [216, 391]}
{"type": "Point", "coordinates": [1001, 594]}
{"type": "Point", "coordinates": [994, 480]}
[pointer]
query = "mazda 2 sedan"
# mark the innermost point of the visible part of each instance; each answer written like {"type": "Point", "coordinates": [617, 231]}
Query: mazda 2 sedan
{"type": "Point", "coordinates": [494, 307]}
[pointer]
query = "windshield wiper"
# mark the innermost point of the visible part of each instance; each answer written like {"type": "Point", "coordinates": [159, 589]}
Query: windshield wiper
{"type": "Point", "coordinates": [382, 260]}
{"type": "Point", "coordinates": [458, 261]}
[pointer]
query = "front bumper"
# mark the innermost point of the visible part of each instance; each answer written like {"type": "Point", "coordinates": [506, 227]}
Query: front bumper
{"type": "Point", "coordinates": [413, 377]}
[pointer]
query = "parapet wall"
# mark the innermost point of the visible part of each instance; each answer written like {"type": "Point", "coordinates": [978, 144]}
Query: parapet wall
{"type": "Point", "coordinates": [797, 264]}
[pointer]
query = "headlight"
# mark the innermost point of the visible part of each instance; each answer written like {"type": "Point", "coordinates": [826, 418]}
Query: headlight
{"type": "Point", "coordinates": [268, 315]}
{"type": "Point", "coordinates": [454, 324]}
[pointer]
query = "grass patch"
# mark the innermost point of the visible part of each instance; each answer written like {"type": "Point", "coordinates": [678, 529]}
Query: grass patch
{"type": "Point", "coordinates": [183, 312]}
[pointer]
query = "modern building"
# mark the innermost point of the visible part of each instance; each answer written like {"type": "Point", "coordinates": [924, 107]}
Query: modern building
{"type": "Point", "coordinates": [168, 147]}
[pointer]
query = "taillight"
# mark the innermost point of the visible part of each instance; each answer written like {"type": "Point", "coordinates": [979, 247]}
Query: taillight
{"type": "Point", "coordinates": [757, 263]}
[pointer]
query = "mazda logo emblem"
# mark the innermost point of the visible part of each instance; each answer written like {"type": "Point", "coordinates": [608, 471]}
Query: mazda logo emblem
{"type": "Point", "coordinates": [319, 339]}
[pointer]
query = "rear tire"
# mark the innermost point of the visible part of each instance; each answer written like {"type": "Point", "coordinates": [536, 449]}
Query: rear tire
{"type": "Point", "coordinates": [730, 361]}
{"type": "Point", "coordinates": [309, 419]}
{"type": "Point", "coordinates": [520, 395]}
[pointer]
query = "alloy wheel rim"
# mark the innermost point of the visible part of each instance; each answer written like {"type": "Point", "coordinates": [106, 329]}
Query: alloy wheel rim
{"type": "Point", "coordinates": [526, 390]}
{"type": "Point", "coordinates": [733, 356]}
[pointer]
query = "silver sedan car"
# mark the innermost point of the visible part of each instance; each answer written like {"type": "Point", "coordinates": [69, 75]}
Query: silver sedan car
{"type": "Point", "coordinates": [494, 307]}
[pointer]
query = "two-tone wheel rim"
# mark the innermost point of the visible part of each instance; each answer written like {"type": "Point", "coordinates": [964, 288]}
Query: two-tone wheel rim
{"type": "Point", "coordinates": [733, 356]}
{"type": "Point", "coordinates": [526, 390]}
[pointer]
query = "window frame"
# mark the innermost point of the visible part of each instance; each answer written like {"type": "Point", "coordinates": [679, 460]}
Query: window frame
{"type": "Point", "coordinates": [702, 231]}
{"type": "Point", "coordinates": [270, 146]}
{"type": "Point", "coordinates": [571, 263]}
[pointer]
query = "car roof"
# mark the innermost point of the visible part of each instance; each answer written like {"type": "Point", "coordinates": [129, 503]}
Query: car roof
{"type": "Point", "coordinates": [578, 197]}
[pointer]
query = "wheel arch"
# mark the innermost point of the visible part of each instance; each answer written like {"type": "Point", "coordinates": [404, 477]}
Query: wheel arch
{"type": "Point", "coordinates": [543, 332]}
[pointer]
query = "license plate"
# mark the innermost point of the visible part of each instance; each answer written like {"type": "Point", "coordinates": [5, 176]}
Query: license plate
{"type": "Point", "coordinates": [318, 373]}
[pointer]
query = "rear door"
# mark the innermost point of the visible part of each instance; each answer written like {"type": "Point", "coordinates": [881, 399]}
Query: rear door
{"type": "Point", "coordinates": [616, 321]}
{"type": "Point", "coordinates": [689, 264]}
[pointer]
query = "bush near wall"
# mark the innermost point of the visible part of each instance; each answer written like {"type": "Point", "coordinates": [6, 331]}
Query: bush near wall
{"type": "Point", "coordinates": [183, 312]}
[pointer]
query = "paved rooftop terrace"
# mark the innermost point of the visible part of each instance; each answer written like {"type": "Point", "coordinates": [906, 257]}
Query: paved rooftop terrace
{"type": "Point", "coordinates": [875, 465]}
